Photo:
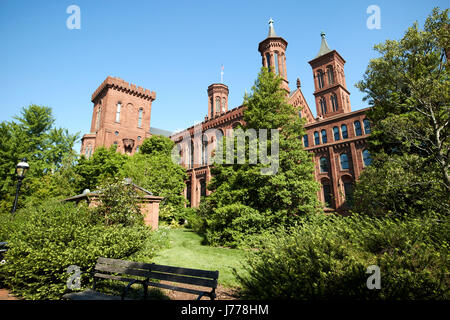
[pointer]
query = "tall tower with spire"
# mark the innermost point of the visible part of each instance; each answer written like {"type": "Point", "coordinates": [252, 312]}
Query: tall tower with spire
{"type": "Point", "coordinates": [273, 53]}
{"type": "Point", "coordinates": [331, 94]}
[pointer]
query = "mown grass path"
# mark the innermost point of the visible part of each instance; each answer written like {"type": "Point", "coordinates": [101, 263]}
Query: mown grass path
{"type": "Point", "coordinates": [187, 251]}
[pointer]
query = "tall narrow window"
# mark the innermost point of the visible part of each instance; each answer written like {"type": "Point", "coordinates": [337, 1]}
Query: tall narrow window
{"type": "Point", "coordinates": [191, 154]}
{"type": "Point", "coordinates": [316, 138]}
{"type": "Point", "coordinates": [334, 102]}
{"type": "Point", "coordinates": [188, 193]}
{"type": "Point", "coordinates": [358, 130]}
{"type": "Point", "coordinates": [305, 141]}
{"type": "Point", "coordinates": [323, 162]}
{"type": "Point", "coordinates": [326, 194]}
{"type": "Point", "coordinates": [140, 118]}
{"type": "Point", "coordinates": [324, 136]}
{"type": "Point", "coordinates": [224, 103]}
{"type": "Point", "coordinates": [330, 74]}
{"type": "Point", "coordinates": [344, 161]}
{"type": "Point", "coordinates": [344, 131]}
{"type": "Point", "coordinates": [366, 158]}
{"type": "Point", "coordinates": [268, 60]}
{"type": "Point", "coordinates": [217, 104]}
{"type": "Point", "coordinates": [348, 190]}
{"type": "Point", "coordinates": [276, 63]}
{"type": "Point", "coordinates": [203, 188]}
{"type": "Point", "coordinates": [323, 106]}
{"type": "Point", "coordinates": [205, 149]}
{"type": "Point", "coordinates": [97, 120]}
{"type": "Point", "coordinates": [336, 134]}
{"type": "Point", "coordinates": [320, 79]}
{"type": "Point", "coordinates": [366, 126]}
{"type": "Point", "coordinates": [119, 107]}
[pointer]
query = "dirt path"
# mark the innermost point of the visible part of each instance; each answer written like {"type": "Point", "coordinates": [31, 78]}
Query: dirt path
{"type": "Point", "coordinates": [6, 295]}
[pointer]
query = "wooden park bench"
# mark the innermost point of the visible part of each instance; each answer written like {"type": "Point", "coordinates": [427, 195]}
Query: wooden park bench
{"type": "Point", "coordinates": [148, 274]}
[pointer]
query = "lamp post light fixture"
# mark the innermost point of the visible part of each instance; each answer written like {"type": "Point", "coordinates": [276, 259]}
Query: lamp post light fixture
{"type": "Point", "coordinates": [21, 169]}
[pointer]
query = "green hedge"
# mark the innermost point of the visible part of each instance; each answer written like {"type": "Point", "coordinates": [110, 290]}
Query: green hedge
{"type": "Point", "coordinates": [45, 240]}
{"type": "Point", "coordinates": [327, 258]}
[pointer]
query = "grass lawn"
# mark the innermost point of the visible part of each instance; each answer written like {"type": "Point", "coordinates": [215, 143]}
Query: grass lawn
{"type": "Point", "coordinates": [187, 251]}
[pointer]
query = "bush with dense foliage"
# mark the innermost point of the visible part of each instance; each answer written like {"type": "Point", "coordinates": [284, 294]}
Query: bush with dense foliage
{"type": "Point", "coordinates": [45, 240]}
{"type": "Point", "coordinates": [327, 257]}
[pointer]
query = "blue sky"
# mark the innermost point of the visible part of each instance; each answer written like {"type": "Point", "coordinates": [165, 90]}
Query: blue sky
{"type": "Point", "coordinates": [176, 48]}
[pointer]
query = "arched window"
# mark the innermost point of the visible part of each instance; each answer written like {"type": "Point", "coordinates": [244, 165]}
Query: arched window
{"type": "Point", "coordinates": [205, 149]}
{"type": "Point", "coordinates": [320, 79]}
{"type": "Point", "coordinates": [224, 103]}
{"type": "Point", "coordinates": [323, 162]}
{"type": "Point", "coordinates": [334, 102]}
{"type": "Point", "coordinates": [323, 106]}
{"type": "Point", "coordinates": [203, 188]}
{"type": "Point", "coordinates": [305, 141]}
{"type": "Point", "coordinates": [330, 74]}
{"type": "Point", "coordinates": [268, 60]}
{"type": "Point", "coordinates": [119, 107]}
{"type": "Point", "coordinates": [140, 117]}
{"type": "Point", "coordinates": [316, 138]}
{"type": "Point", "coordinates": [324, 136]}
{"type": "Point", "coordinates": [348, 189]}
{"type": "Point", "coordinates": [366, 158]}
{"type": "Point", "coordinates": [327, 195]}
{"type": "Point", "coordinates": [217, 104]}
{"type": "Point", "coordinates": [344, 161]}
{"type": "Point", "coordinates": [97, 120]}
{"type": "Point", "coordinates": [277, 69]}
{"type": "Point", "coordinates": [358, 130]}
{"type": "Point", "coordinates": [191, 154]}
{"type": "Point", "coordinates": [366, 126]}
{"type": "Point", "coordinates": [336, 134]}
{"type": "Point", "coordinates": [188, 193]}
{"type": "Point", "coordinates": [344, 131]}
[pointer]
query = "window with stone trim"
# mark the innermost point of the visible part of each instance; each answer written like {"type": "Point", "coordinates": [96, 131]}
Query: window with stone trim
{"type": "Point", "coordinates": [323, 106]}
{"type": "Point", "coordinates": [324, 136]}
{"type": "Point", "coordinates": [320, 79]}
{"type": "Point", "coordinates": [316, 138]}
{"type": "Point", "coordinates": [366, 126]}
{"type": "Point", "coordinates": [330, 74]}
{"type": "Point", "coordinates": [358, 130]}
{"type": "Point", "coordinates": [367, 160]}
{"type": "Point", "coordinates": [336, 133]}
{"type": "Point", "coordinates": [323, 163]}
{"type": "Point", "coordinates": [334, 102]}
{"type": "Point", "coordinates": [344, 161]}
{"type": "Point", "coordinates": [344, 131]}
{"type": "Point", "coordinates": [305, 141]}
{"type": "Point", "coordinates": [141, 111]}
{"type": "Point", "coordinates": [119, 107]}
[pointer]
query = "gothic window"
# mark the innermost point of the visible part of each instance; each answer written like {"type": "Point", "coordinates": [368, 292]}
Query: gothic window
{"type": "Point", "coordinates": [212, 106]}
{"type": "Point", "coordinates": [320, 79]}
{"type": "Point", "coordinates": [324, 136]}
{"type": "Point", "coordinates": [276, 63]}
{"type": "Point", "coordinates": [119, 107]}
{"type": "Point", "coordinates": [203, 188]}
{"type": "Point", "coordinates": [366, 126]}
{"type": "Point", "coordinates": [336, 134]}
{"type": "Point", "coordinates": [217, 104]}
{"type": "Point", "coordinates": [204, 150]}
{"type": "Point", "coordinates": [330, 74]}
{"type": "Point", "coordinates": [188, 193]}
{"type": "Point", "coordinates": [316, 138]}
{"type": "Point", "coordinates": [344, 161]}
{"type": "Point", "coordinates": [323, 163]}
{"type": "Point", "coordinates": [140, 118]}
{"type": "Point", "coordinates": [268, 60]}
{"type": "Point", "coordinates": [224, 103]}
{"type": "Point", "coordinates": [191, 154]}
{"type": "Point", "coordinates": [358, 130]}
{"type": "Point", "coordinates": [348, 189]}
{"type": "Point", "coordinates": [323, 106]}
{"type": "Point", "coordinates": [97, 120]}
{"type": "Point", "coordinates": [305, 141]}
{"type": "Point", "coordinates": [367, 160]}
{"type": "Point", "coordinates": [344, 131]}
{"type": "Point", "coordinates": [334, 102]}
{"type": "Point", "coordinates": [326, 193]}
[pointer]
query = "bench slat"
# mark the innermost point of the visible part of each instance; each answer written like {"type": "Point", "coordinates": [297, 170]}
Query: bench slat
{"type": "Point", "coordinates": [183, 279]}
{"type": "Point", "coordinates": [186, 271]}
{"type": "Point", "coordinates": [111, 277]}
{"type": "Point", "coordinates": [167, 286]}
{"type": "Point", "coordinates": [124, 263]}
{"type": "Point", "coordinates": [123, 270]}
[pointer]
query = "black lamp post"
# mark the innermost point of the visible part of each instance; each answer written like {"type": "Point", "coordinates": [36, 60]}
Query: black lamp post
{"type": "Point", "coordinates": [21, 169]}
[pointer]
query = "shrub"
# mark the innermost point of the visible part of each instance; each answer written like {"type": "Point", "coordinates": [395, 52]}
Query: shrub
{"type": "Point", "coordinates": [327, 258]}
{"type": "Point", "coordinates": [45, 240]}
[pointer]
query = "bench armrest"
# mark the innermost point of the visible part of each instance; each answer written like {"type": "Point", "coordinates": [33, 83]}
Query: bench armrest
{"type": "Point", "coordinates": [143, 282]}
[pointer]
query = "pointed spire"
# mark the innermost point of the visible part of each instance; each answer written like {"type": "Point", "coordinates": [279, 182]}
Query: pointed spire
{"type": "Point", "coordinates": [271, 29]}
{"type": "Point", "coordinates": [323, 46]}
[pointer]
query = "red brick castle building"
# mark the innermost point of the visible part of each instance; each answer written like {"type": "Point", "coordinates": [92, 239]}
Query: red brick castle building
{"type": "Point", "coordinates": [337, 136]}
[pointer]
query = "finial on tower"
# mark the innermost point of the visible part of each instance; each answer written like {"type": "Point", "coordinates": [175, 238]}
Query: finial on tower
{"type": "Point", "coordinates": [322, 34]}
{"type": "Point", "coordinates": [271, 29]}
{"type": "Point", "coordinates": [298, 83]}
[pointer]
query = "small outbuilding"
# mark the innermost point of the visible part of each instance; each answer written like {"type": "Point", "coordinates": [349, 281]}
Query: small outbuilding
{"type": "Point", "coordinates": [147, 202]}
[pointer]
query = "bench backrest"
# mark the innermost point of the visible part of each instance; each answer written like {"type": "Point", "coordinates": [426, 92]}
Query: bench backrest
{"type": "Point", "coordinates": [196, 277]}
{"type": "Point", "coordinates": [107, 267]}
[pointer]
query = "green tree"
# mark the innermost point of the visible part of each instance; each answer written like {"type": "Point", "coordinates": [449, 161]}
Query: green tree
{"type": "Point", "coordinates": [273, 199]}
{"type": "Point", "coordinates": [32, 135]}
{"type": "Point", "coordinates": [408, 89]}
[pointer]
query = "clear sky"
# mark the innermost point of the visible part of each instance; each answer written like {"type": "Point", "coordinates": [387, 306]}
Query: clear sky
{"type": "Point", "coordinates": [176, 48]}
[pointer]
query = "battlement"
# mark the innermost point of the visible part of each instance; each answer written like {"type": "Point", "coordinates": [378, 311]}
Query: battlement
{"type": "Point", "coordinates": [122, 85]}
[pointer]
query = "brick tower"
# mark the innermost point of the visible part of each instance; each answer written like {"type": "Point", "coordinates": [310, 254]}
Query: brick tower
{"type": "Point", "coordinates": [121, 116]}
{"type": "Point", "coordinates": [273, 53]}
{"type": "Point", "coordinates": [331, 94]}
{"type": "Point", "coordinates": [217, 100]}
